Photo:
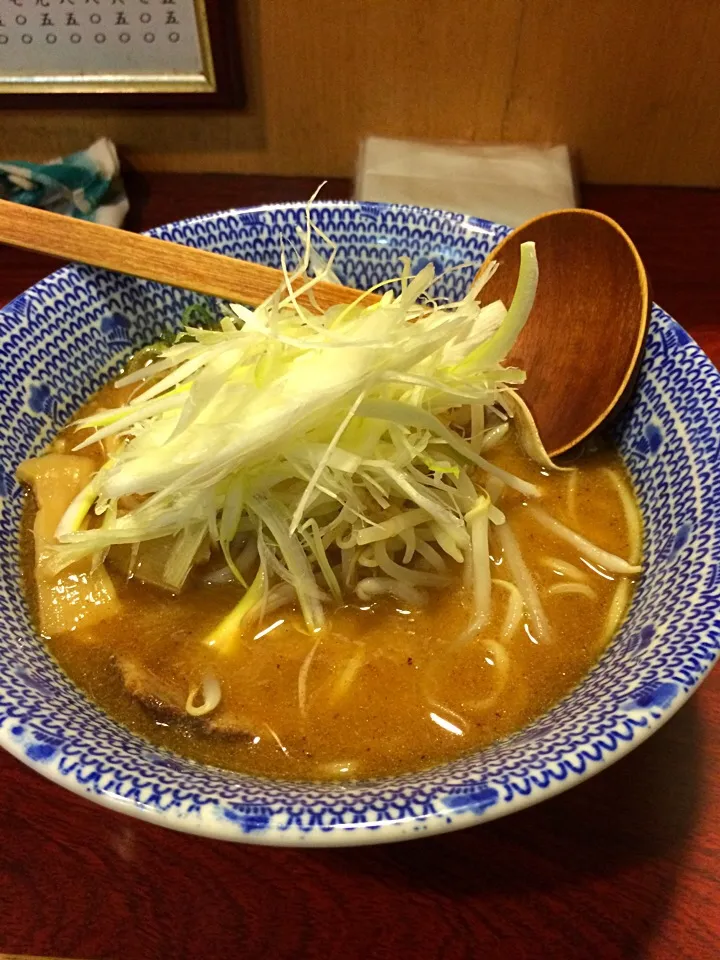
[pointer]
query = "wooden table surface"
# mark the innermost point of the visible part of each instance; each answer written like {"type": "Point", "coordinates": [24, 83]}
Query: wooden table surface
{"type": "Point", "coordinates": [626, 865]}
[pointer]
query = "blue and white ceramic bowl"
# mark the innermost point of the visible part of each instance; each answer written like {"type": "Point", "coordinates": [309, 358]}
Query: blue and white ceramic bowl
{"type": "Point", "coordinates": [62, 339]}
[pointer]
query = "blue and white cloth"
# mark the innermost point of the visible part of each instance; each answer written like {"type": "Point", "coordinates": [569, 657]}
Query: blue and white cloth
{"type": "Point", "coordinates": [86, 185]}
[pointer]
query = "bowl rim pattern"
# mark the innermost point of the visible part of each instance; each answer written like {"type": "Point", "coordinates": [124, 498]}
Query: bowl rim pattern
{"type": "Point", "coordinates": [189, 797]}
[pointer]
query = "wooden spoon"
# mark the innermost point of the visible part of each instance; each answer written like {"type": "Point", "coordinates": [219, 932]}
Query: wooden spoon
{"type": "Point", "coordinates": [580, 345]}
{"type": "Point", "coordinates": [584, 337]}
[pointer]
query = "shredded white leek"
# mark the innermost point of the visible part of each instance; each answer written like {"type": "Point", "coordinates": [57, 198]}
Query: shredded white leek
{"type": "Point", "coordinates": [330, 440]}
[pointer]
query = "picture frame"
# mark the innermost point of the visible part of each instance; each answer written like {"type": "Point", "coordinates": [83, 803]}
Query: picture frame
{"type": "Point", "coordinates": [218, 82]}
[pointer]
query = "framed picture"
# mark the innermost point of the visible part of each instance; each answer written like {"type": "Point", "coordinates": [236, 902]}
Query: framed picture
{"type": "Point", "coordinates": [135, 52]}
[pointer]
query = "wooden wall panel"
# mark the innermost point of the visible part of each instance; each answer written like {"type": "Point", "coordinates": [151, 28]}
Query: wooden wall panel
{"type": "Point", "coordinates": [631, 85]}
{"type": "Point", "coordinates": [634, 85]}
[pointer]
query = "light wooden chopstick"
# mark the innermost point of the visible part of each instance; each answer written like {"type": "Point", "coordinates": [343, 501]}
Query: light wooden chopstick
{"type": "Point", "coordinates": [26, 956]}
{"type": "Point", "coordinates": [212, 274]}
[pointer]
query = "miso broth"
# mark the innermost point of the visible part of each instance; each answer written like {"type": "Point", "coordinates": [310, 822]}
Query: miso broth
{"type": "Point", "coordinates": [327, 546]}
{"type": "Point", "coordinates": [389, 689]}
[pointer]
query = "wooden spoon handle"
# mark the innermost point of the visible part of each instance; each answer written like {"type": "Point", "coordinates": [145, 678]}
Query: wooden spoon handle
{"type": "Point", "coordinates": [172, 263]}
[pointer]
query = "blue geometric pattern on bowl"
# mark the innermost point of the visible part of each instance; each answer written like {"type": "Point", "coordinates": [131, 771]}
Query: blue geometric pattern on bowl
{"type": "Point", "coordinates": [60, 342]}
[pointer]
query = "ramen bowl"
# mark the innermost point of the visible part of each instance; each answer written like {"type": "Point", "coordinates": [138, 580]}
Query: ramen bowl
{"type": "Point", "coordinates": [69, 334]}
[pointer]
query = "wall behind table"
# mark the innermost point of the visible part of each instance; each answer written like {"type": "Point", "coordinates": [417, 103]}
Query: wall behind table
{"type": "Point", "coordinates": [632, 85]}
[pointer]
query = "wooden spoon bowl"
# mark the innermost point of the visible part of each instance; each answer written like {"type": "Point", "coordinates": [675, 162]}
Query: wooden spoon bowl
{"type": "Point", "coordinates": [584, 337]}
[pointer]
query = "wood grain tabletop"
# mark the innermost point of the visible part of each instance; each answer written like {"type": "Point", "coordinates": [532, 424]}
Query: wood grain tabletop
{"type": "Point", "coordinates": [625, 866]}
